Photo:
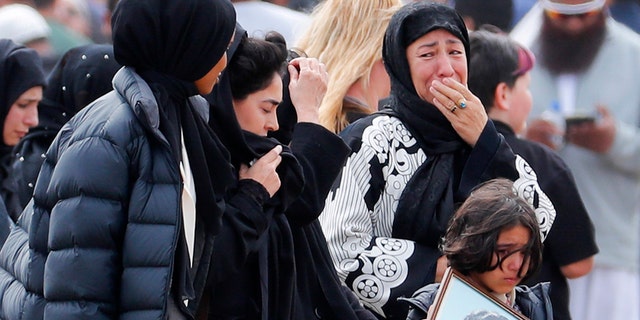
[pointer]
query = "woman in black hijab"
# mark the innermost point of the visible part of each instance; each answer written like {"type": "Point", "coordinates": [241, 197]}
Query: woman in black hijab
{"type": "Point", "coordinates": [131, 193]}
{"type": "Point", "coordinates": [21, 83]}
{"type": "Point", "coordinates": [82, 75]}
{"type": "Point", "coordinates": [413, 161]}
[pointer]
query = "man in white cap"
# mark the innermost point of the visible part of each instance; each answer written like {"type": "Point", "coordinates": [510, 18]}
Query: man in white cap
{"type": "Point", "coordinates": [590, 67]}
{"type": "Point", "coordinates": [23, 24]}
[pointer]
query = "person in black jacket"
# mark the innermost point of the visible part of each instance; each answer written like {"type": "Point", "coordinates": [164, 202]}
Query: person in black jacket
{"type": "Point", "coordinates": [499, 76]}
{"type": "Point", "coordinates": [131, 194]}
{"type": "Point", "coordinates": [82, 75]}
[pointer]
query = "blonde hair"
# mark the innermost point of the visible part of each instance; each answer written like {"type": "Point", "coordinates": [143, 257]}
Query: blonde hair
{"type": "Point", "coordinates": [347, 36]}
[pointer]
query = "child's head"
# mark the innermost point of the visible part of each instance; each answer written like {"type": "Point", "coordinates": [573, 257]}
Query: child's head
{"type": "Point", "coordinates": [499, 75]}
{"type": "Point", "coordinates": [494, 237]}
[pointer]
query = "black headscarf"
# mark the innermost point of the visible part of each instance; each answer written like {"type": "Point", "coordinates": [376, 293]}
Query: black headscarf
{"type": "Point", "coordinates": [182, 39]}
{"type": "Point", "coordinates": [82, 75]}
{"type": "Point", "coordinates": [426, 205]}
{"type": "Point", "coordinates": [171, 44]}
{"type": "Point", "coordinates": [20, 70]}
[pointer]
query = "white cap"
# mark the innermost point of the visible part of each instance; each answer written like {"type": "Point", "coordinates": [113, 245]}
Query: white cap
{"type": "Point", "coordinates": [570, 9]}
{"type": "Point", "coordinates": [22, 23]}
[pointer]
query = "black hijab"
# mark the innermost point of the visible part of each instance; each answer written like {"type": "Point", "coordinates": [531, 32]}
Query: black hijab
{"type": "Point", "coordinates": [20, 70]}
{"type": "Point", "coordinates": [82, 75]}
{"type": "Point", "coordinates": [427, 203]}
{"type": "Point", "coordinates": [171, 44]}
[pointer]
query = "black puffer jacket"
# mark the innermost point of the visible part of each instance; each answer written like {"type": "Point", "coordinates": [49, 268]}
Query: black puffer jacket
{"type": "Point", "coordinates": [126, 271]}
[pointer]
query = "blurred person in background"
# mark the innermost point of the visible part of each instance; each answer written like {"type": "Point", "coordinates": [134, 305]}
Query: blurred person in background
{"type": "Point", "coordinates": [25, 25]}
{"type": "Point", "coordinates": [475, 13]}
{"type": "Point", "coordinates": [259, 17]}
{"type": "Point", "coordinates": [62, 37]}
{"type": "Point", "coordinates": [82, 75]}
{"type": "Point", "coordinates": [21, 83]}
{"type": "Point", "coordinates": [589, 67]}
{"type": "Point", "coordinates": [347, 37]}
{"type": "Point", "coordinates": [76, 15]}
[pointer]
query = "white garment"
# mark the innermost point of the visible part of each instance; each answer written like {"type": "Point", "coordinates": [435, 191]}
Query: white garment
{"type": "Point", "coordinates": [188, 201]}
{"type": "Point", "coordinates": [259, 17]}
{"type": "Point", "coordinates": [609, 287]}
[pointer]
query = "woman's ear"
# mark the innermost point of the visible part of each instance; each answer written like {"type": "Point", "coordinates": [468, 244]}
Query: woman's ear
{"type": "Point", "coordinates": [502, 96]}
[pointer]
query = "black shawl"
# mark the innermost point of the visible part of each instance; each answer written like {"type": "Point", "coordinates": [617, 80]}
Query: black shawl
{"type": "Point", "coordinates": [275, 253]}
{"type": "Point", "coordinates": [427, 203]}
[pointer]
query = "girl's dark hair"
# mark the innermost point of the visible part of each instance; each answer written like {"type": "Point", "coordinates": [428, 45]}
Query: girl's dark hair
{"type": "Point", "coordinates": [470, 240]}
{"type": "Point", "coordinates": [255, 62]}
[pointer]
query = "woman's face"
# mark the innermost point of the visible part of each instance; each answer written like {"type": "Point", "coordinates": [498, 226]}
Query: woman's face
{"type": "Point", "coordinates": [257, 112]}
{"type": "Point", "coordinates": [206, 83]}
{"type": "Point", "coordinates": [23, 115]}
{"type": "Point", "coordinates": [435, 56]}
{"type": "Point", "coordinates": [505, 277]}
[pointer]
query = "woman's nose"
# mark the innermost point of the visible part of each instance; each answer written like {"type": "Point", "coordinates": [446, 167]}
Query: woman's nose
{"type": "Point", "coordinates": [445, 68]}
{"type": "Point", "coordinates": [272, 122]}
{"type": "Point", "coordinates": [31, 117]}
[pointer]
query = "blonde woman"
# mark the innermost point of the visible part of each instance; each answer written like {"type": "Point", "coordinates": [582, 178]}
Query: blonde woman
{"type": "Point", "coordinates": [347, 37]}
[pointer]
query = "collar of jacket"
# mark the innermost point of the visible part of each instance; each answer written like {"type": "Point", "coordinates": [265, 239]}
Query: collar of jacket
{"type": "Point", "coordinates": [139, 96]}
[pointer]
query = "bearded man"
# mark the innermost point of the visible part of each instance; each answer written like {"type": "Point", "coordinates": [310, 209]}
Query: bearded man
{"type": "Point", "coordinates": [590, 67]}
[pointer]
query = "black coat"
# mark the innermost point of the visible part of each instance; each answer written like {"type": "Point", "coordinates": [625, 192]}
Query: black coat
{"type": "Point", "coordinates": [105, 223]}
{"type": "Point", "coordinates": [319, 292]}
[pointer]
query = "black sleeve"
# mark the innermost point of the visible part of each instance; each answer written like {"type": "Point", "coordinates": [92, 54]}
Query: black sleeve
{"type": "Point", "coordinates": [243, 222]}
{"type": "Point", "coordinates": [572, 236]}
{"type": "Point", "coordinates": [490, 158]}
{"type": "Point", "coordinates": [322, 155]}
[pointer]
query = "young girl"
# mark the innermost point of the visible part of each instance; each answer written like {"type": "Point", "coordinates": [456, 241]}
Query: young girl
{"type": "Point", "coordinates": [494, 240]}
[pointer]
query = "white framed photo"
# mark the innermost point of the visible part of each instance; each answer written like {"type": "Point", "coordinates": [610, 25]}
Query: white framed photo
{"type": "Point", "coordinates": [459, 299]}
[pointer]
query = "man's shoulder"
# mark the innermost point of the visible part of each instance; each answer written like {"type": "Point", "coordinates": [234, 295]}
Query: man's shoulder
{"type": "Point", "coordinates": [623, 34]}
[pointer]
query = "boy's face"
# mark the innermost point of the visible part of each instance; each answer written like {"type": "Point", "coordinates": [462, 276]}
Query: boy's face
{"type": "Point", "coordinates": [506, 276]}
{"type": "Point", "coordinates": [520, 103]}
